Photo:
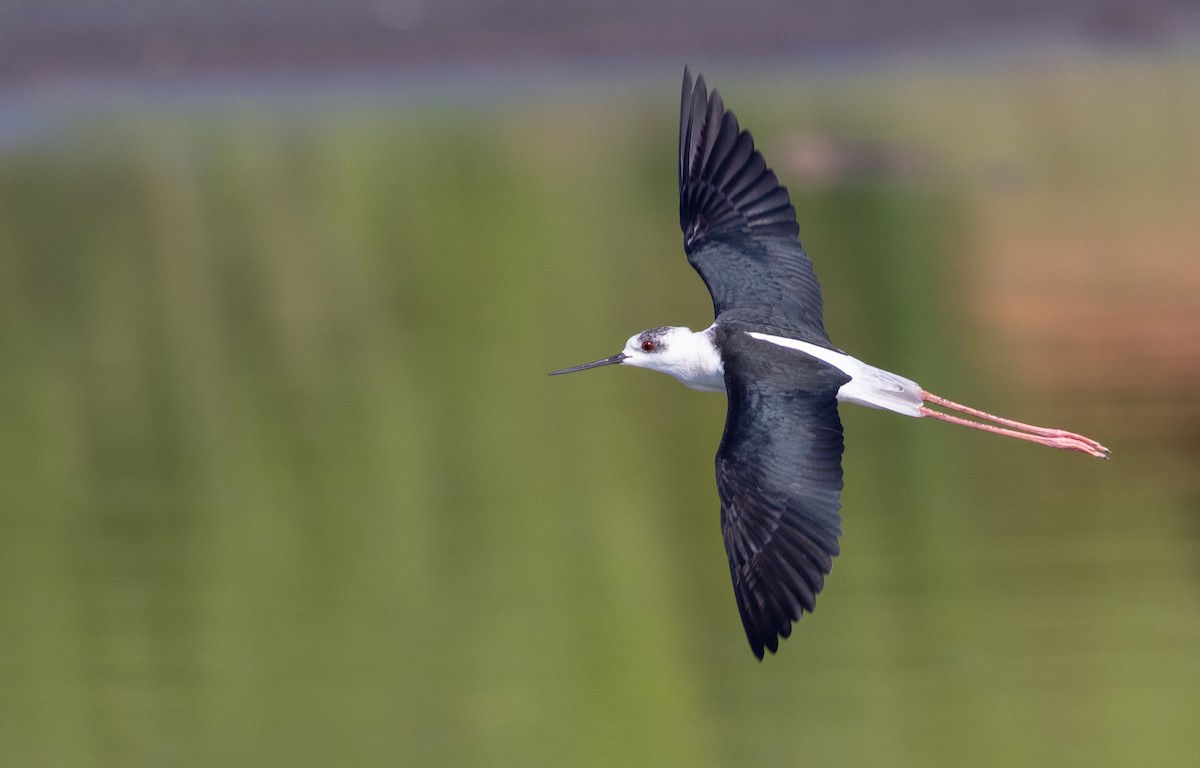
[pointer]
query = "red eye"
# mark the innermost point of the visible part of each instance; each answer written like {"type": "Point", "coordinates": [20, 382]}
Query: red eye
{"type": "Point", "coordinates": [647, 346]}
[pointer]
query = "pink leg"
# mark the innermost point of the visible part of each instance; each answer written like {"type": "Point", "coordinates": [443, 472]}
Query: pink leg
{"type": "Point", "coordinates": [1054, 438]}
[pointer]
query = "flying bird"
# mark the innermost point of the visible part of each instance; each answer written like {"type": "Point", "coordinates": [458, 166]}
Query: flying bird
{"type": "Point", "coordinates": [779, 473]}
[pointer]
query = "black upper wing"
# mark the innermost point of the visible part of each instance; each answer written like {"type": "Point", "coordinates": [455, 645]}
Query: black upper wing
{"type": "Point", "coordinates": [779, 476]}
{"type": "Point", "coordinates": [739, 226]}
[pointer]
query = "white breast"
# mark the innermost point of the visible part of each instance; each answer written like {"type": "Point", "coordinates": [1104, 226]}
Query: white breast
{"type": "Point", "coordinates": [697, 363]}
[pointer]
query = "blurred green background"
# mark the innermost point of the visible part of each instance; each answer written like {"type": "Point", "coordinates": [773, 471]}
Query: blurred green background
{"type": "Point", "coordinates": [283, 480]}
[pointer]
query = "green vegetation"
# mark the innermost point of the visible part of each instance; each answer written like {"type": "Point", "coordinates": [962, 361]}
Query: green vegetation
{"type": "Point", "coordinates": [284, 481]}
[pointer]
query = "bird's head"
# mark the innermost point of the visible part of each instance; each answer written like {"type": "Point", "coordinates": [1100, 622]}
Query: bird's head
{"type": "Point", "coordinates": [658, 349]}
{"type": "Point", "coordinates": [689, 357]}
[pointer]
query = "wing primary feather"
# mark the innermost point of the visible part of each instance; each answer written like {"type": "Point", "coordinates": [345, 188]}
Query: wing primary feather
{"type": "Point", "coordinates": [779, 479]}
{"type": "Point", "coordinates": [739, 225]}
{"type": "Point", "coordinates": [778, 468]}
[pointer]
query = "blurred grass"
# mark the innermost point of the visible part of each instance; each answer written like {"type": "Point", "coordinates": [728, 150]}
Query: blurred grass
{"type": "Point", "coordinates": [285, 482]}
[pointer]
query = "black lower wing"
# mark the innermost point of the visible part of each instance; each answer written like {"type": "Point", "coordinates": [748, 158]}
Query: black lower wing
{"type": "Point", "coordinates": [779, 477]}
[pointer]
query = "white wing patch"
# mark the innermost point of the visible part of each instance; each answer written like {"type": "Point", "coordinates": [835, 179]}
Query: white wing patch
{"type": "Point", "coordinates": [868, 385]}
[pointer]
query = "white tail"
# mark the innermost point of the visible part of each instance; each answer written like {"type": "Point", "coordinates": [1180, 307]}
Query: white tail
{"type": "Point", "coordinates": [868, 385]}
{"type": "Point", "coordinates": [877, 388]}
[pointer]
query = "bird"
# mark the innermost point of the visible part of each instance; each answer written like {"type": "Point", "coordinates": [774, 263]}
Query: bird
{"type": "Point", "coordinates": [778, 464]}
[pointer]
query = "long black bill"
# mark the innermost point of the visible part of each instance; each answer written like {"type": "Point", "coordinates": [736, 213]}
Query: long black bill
{"type": "Point", "coordinates": [606, 361]}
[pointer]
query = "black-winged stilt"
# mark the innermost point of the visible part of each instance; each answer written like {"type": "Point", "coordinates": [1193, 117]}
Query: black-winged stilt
{"type": "Point", "coordinates": [779, 472]}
